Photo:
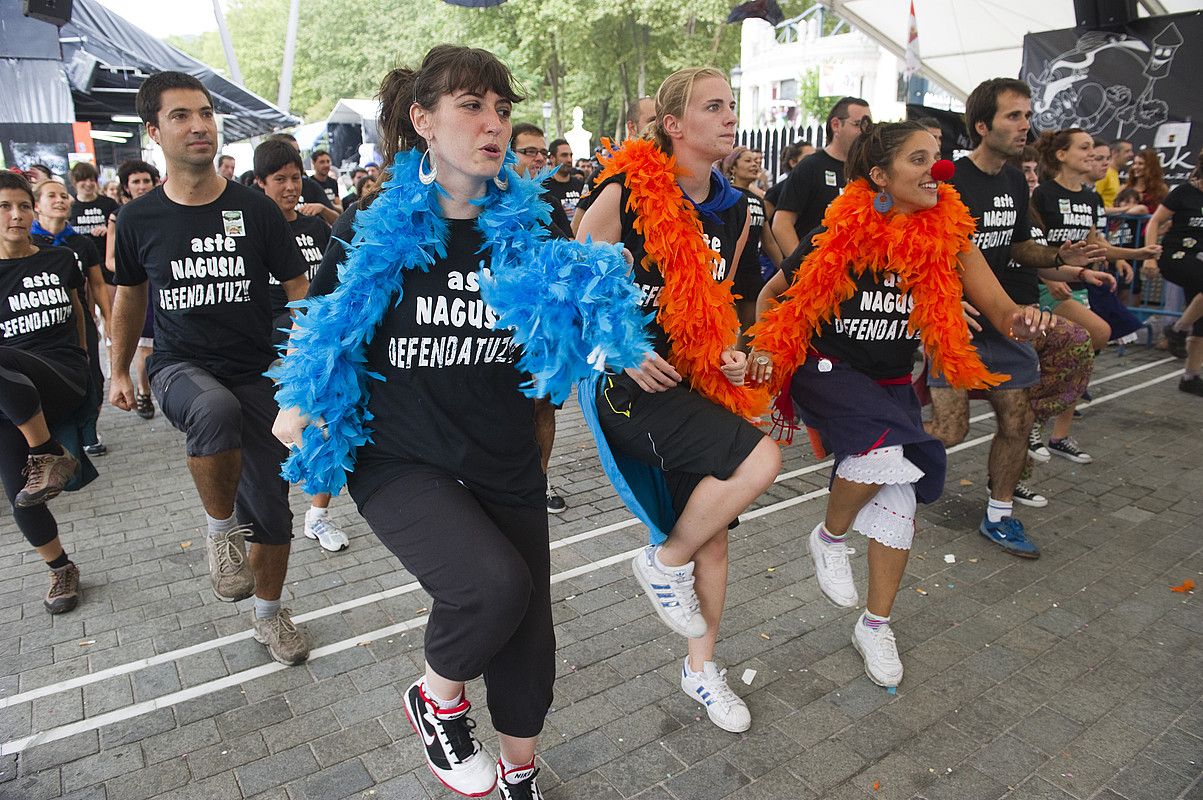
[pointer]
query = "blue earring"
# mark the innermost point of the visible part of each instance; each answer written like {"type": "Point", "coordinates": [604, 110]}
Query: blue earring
{"type": "Point", "coordinates": [883, 202]}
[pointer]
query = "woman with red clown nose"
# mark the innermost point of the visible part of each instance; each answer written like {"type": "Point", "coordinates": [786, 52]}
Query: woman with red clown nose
{"type": "Point", "coordinates": [885, 273]}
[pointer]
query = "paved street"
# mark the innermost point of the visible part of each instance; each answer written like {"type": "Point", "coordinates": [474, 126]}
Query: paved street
{"type": "Point", "coordinates": [1079, 675]}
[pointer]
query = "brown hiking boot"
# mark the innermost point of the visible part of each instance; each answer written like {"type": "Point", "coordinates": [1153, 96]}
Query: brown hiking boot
{"type": "Point", "coordinates": [229, 568]}
{"type": "Point", "coordinates": [287, 643]}
{"type": "Point", "coordinates": [64, 590]}
{"type": "Point", "coordinates": [45, 478]}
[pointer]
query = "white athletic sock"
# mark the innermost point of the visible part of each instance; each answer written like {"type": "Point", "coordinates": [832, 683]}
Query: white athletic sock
{"type": "Point", "coordinates": [218, 526]}
{"type": "Point", "coordinates": [660, 565]}
{"type": "Point", "coordinates": [997, 509]}
{"type": "Point", "coordinates": [314, 513]}
{"type": "Point", "coordinates": [266, 609]}
{"type": "Point", "coordinates": [506, 766]}
{"type": "Point", "coordinates": [440, 702]}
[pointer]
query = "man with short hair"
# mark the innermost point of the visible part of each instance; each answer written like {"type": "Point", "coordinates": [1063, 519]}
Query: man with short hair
{"type": "Point", "coordinates": [998, 115]}
{"type": "Point", "coordinates": [322, 177]}
{"type": "Point", "coordinates": [225, 167]}
{"type": "Point", "coordinates": [1119, 156]}
{"type": "Point", "coordinates": [934, 128]}
{"type": "Point", "coordinates": [565, 185]}
{"type": "Point", "coordinates": [91, 210]}
{"type": "Point", "coordinates": [818, 179]}
{"type": "Point", "coordinates": [357, 174]}
{"type": "Point", "coordinates": [204, 249]}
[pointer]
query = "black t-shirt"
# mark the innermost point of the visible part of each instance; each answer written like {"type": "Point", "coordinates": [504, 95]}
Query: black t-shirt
{"type": "Point", "coordinates": [209, 268]}
{"type": "Point", "coordinates": [723, 235]}
{"type": "Point", "coordinates": [312, 192]}
{"type": "Point", "coordinates": [312, 235]}
{"type": "Point", "coordinates": [748, 282]}
{"type": "Point", "coordinates": [36, 314]}
{"type": "Point", "coordinates": [1067, 216]}
{"type": "Point", "coordinates": [348, 199]}
{"type": "Point", "coordinates": [561, 226]}
{"type": "Point", "coordinates": [451, 395]}
{"type": "Point", "coordinates": [870, 332]}
{"type": "Point", "coordinates": [811, 186]}
{"type": "Point", "coordinates": [1183, 242]}
{"type": "Point", "coordinates": [93, 216]}
{"type": "Point", "coordinates": [329, 185]}
{"type": "Point", "coordinates": [567, 193]}
{"type": "Point", "coordinates": [999, 205]}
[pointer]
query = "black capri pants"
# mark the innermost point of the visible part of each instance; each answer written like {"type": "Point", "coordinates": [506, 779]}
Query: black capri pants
{"type": "Point", "coordinates": [487, 569]}
{"type": "Point", "coordinates": [29, 382]}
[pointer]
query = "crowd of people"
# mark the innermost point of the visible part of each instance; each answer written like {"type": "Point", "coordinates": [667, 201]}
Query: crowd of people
{"type": "Point", "coordinates": [352, 339]}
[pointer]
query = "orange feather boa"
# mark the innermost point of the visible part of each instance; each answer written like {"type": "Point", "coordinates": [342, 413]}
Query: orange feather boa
{"type": "Point", "coordinates": [921, 248]}
{"type": "Point", "coordinates": [696, 311]}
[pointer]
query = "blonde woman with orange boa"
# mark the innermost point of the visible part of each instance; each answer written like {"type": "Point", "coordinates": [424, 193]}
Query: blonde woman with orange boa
{"type": "Point", "coordinates": [885, 273]}
{"type": "Point", "coordinates": [681, 418]}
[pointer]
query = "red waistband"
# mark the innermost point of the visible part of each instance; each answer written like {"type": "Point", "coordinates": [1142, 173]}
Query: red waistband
{"type": "Point", "coordinates": [900, 380]}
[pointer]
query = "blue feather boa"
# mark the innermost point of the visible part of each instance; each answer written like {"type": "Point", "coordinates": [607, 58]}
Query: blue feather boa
{"type": "Point", "coordinates": [573, 308]}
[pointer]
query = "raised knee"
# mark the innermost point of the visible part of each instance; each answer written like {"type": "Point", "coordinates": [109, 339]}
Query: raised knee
{"type": "Point", "coordinates": [507, 593]}
{"type": "Point", "coordinates": [765, 460]}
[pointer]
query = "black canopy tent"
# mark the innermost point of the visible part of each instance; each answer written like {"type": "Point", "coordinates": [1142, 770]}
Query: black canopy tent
{"type": "Point", "coordinates": [104, 59]}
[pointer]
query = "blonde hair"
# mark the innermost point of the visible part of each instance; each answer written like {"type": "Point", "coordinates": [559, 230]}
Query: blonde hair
{"type": "Point", "coordinates": [672, 98]}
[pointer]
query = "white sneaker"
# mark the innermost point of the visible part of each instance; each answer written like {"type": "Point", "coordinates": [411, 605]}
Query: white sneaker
{"type": "Point", "coordinates": [671, 593]}
{"type": "Point", "coordinates": [833, 570]}
{"type": "Point", "coordinates": [709, 687]}
{"type": "Point", "coordinates": [880, 651]}
{"type": "Point", "coordinates": [328, 535]}
{"type": "Point", "coordinates": [452, 751]}
{"type": "Point", "coordinates": [1036, 448]}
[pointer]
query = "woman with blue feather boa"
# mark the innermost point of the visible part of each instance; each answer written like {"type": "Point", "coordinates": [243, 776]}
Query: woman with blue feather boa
{"type": "Point", "coordinates": [409, 377]}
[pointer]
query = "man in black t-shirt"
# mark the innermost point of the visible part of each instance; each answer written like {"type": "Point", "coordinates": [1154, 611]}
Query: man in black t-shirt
{"type": "Point", "coordinates": [998, 114]}
{"type": "Point", "coordinates": [313, 196]}
{"type": "Point", "coordinates": [203, 249]}
{"type": "Point", "coordinates": [91, 209]}
{"type": "Point", "coordinates": [819, 178]}
{"type": "Point", "coordinates": [565, 185]}
{"type": "Point", "coordinates": [323, 178]}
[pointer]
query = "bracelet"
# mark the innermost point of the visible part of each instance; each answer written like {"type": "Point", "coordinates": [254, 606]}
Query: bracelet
{"type": "Point", "coordinates": [1058, 261]}
{"type": "Point", "coordinates": [1081, 272]}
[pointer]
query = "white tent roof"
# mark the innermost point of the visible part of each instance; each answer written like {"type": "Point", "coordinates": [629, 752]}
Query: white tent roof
{"type": "Point", "coordinates": [964, 42]}
{"type": "Point", "coordinates": [353, 110]}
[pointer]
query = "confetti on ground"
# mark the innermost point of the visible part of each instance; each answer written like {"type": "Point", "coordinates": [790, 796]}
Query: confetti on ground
{"type": "Point", "coordinates": [973, 561]}
{"type": "Point", "coordinates": [368, 643]}
{"type": "Point", "coordinates": [921, 591]}
{"type": "Point", "coordinates": [749, 676]}
{"type": "Point", "coordinates": [952, 586]}
{"type": "Point", "coordinates": [949, 558]}
{"type": "Point", "coordinates": [422, 610]}
{"type": "Point", "coordinates": [892, 690]}
{"type": "Point", "coordinates": [966, 482]}
{"type": "Point", "coordinates": [185, 545]}
{"type": "Point", "coordinates": [1186, 586]}
{"type": "Point", "coordinates": [876, 785]}
{"type": "Point", "coordinates": [772, 569]}
{"type": "Point", "coordinates": [764, 636]}
{"type": "Point", "coordinates": [87, 642]}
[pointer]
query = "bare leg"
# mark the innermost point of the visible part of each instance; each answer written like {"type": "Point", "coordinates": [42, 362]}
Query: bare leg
{"type": "Point", "coordinates": [545, 431]}
{"type": "Point", "coordinates": [321, 500]}
{"type": "Point", "coordinates": [51, 550]}
{"type": "Point", "coordinates": [1062, 422]}
{"type": "Point", "coordinates": [1194, 352]}
{"type": "Point", "coordinates": [34, 430]}
{"type": "Point", "coordinates": [886, 566]}
{"type": "Point", "coordinates": [846, 501]}
{"type": "Point", "coordinates": [140, 357]}
{"type": "Point", "coordinates": [950, 415]}
{"type": "Point", "coordinates": [714, 503]}
{"type": "Point", "coordinates": [710, 583]}
{"type": "Point", "coordinates": [269, 562]}
{"type": "Point", "coordinates": [516, 750]}
{"type": "Point", "coordinates": [1100, 331]}
{"type": "Point", "coordinates": [441, 687]}
{"type": "Point", "coordinates": [1191, 314]}
{"type": "Point", "coordinates": [216, 478]}
{"type": "Point", "coordinates": [1009, 450]}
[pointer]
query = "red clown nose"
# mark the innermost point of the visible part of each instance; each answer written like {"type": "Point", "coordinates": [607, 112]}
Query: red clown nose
{"type": "Point", "coordinates": [942, 170]}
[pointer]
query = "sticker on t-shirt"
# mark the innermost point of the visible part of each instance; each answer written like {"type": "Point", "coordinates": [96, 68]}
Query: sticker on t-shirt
{"type": "Point", "coordinates": [232, 221]}
{"type": "Point", "coordinates": [829, 177]}
{"type": "Point", "coordinates": [1065, 206]}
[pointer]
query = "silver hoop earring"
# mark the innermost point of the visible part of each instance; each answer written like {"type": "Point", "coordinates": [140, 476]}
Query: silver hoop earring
{"type": "Point", "coordinates": [501, 183]}
{"type": "Point", "coordinates": [427, 178]}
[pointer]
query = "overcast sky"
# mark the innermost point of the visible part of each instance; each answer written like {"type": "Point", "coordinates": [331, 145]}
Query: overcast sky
{"type": "Point", "coordinates": [163, 19]}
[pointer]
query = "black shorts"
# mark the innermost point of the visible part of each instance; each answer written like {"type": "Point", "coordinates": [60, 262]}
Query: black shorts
{"type": "Point", "coordinates": [679, 431]}
{"type": "Point", "coordinates": [216, 417]}
{"type": "Point", "coordinates": [1189, 276]}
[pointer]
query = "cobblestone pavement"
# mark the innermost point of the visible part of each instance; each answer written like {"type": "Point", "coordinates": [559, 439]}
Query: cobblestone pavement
{"type": "Point", "coordinates": [1079, 675]}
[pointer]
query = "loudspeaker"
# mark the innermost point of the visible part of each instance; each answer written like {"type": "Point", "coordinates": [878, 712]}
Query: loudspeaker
{"type": "Point", "coordinates": [56, 12]}
{"type": "Point", "coordinates": [1104, 15]}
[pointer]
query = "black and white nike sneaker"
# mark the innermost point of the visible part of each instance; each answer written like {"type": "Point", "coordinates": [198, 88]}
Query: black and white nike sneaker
{"type": "Point", "coordinates": [518, 783]}
{"type": "Point", "coordinates": [452, 751]}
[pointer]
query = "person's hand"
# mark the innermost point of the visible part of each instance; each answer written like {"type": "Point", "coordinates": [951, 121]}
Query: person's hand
{"type": "Point", "coordinates": [760, 367]}
{"type": "Point", "coordinates": [121, 391]}
{"type": "Point", "coordinates": [1096, 277]}
{"type": "Point", "coordinates": [1125, 270]}
{"type": "Point", "coordinates": [1149, 269]}
{"type": "Point", "coordinates": [310, 209]}
{"type": "Point", "coordinates": [290, 426]}
{"type": "Point", "coordinates": [1059, 290]}
{"type": "Point", "coordinates": [970, 313]}
{"type": "Point", "coordinates": [1081, 253]}
{"type": "Point", "coordinates": [654, 374]}
{"type": "Point", "coordinates": [1028, 322]}
{"type": "Point", "coordinates": [1149, 251]}
{"type": "Point", "coordinates": [735, 364]}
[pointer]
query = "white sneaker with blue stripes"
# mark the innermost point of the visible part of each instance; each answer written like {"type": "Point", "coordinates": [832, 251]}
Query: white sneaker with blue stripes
{"type": "Point", "coordinates": [671, 593]}
{"type": "Point", "coordinates": [709, 687]}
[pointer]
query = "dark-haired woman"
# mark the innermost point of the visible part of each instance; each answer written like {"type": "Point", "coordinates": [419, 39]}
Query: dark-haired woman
{"type": "Point", "coordinates": [50, 229]}
{"type": "Point", "coordinates": [743, 167]}
{"type": "Point", "coordinates": [43, 373]}
{"type": "Point", "coordinates": [448, 476]}
{"type": "Point", "coordinates": [887, 270]}
{"type": "Point", "coordinates": [136, 178]}
{"type": "Point", "coordinates": [1067, 209]}
{"type": "Point", "coordinates": [682, 412]}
